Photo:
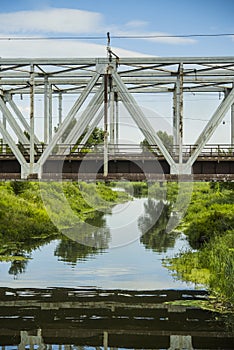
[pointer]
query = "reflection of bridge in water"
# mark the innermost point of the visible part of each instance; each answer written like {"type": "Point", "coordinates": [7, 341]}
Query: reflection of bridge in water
{"type": "Point", "coordinates": [109, 319]}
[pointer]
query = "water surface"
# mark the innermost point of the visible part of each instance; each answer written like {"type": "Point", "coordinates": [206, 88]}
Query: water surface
{"type": "Point", "coordinates": [131, 259]}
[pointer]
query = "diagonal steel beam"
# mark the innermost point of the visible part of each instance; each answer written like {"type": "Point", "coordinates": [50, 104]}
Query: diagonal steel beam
{"type": "Point", "coordinates": [211, 126]}
{"type": "Point", "coordinates": [140, 119]}
{"type": "Point", "coordinates": [91, 128]}
{"type": "Point", "coordinates": [85, 117]}
{"type": "Point", "coordinates": [11, 120]}
{"type": "Point", "coordinates": [9, 140]}
{"type": "Point", "coordinates": [21, 118]}
{"type": "Point", "coordinates": [73, 111]}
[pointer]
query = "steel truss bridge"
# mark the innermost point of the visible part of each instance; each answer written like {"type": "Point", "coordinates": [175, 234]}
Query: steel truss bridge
{"type": "Point", "coordinates": [100, 85]}
{"type": "Point", "coordinates": [108, 319]}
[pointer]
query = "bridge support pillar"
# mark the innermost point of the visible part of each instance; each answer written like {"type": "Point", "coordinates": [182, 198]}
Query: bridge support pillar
{"type": "Point", "coordinates": [31, 340]}
{"type": "Point", "coordinates": [181, 342]}
{"type": "Point", "coordinates": [181, 169]}
{"type": "Point", "coordinates": [31, 170]}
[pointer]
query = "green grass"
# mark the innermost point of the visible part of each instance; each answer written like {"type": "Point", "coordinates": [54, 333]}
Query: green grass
{"type": "Point", "coordinates": [209, 225]}
{"type": "Point", "coordinates": [29, 210]}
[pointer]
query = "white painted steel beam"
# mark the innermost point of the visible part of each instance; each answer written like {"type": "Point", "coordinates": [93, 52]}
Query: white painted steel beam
{"type": "Point", "coordinates": [116, 118]}
{"type": "Point", "coordinates": [121, 61]}
{"type": "Point", "coordinates": [50, 112]}
{"type": "Point", "coordinates": [11, 120]}
{"type": "Point", "coordinates": [32, 119]}
{"type": "Point", "coordinates": [92, 126]}
{"type": "Point", "coordinates": [21, 118]}
{"type": "Point", "coordinates": [9, 140]}
{"type": "Point", "coordinates": [179, 111]}
{"type": "Point", "coordinates": [85, 118]}
{"type": "Point", "coordinates": [46, 110]}
{"type": "Point", "coordinates": [112, 117]}
{"type": "Point", "coordinates": [60, 108]}
{"type": "Point", "coordinates": [232, 125]}
{"type": "Point", "coordinates": [151, 79]}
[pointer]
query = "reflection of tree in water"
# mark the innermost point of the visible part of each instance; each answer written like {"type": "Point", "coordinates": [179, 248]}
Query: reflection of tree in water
{"type": "Point", "coordinates": [17, 267]}
{"type": "Point", "coordinates": [70, 251]}
{"type": "Point", "coordinates": [22, 251]}
{"type": "Point", "coordinates": [84, 240]}
{"type": "Point", "coordinates": [156, 236]}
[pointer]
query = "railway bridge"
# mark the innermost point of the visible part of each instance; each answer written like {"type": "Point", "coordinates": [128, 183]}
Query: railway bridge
{"type": "Point", "coordinates": [34, 90]}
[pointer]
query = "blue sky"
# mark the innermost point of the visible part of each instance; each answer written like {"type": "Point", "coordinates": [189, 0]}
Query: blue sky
{"type": "Point", "coordinates": [128, 17]}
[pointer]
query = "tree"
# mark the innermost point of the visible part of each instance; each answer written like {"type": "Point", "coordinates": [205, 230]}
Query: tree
{"type": "Point", "coordinates": [95, 138]}
{"type": "Point", "coordinates": [166, 139]}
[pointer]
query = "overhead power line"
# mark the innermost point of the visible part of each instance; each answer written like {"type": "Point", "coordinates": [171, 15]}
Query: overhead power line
{"type": "Point", "coordinates": [143, 36]}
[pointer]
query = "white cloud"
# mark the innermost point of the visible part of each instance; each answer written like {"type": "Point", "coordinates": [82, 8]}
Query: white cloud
{"type": "Point", "coordinates": [136, 24]}
{"type": "Point", "coordinates": [159, 37]}
{"type": "Point", "coordinates": [63, 21]}
{"type": "Point", "coordinates": [166, 38]}
{"type": "Point", "coordinates": [53, 20]}
{"type": "Point", "coordinates": [59, 48]}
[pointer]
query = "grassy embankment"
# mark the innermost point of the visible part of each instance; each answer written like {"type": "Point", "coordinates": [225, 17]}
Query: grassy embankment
{"type": "Point", "coordinates": [209, 226]}
{"type": "Point", "coordinates": [24, 221]}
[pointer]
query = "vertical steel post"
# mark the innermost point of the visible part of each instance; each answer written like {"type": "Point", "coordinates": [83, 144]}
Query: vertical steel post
{"type": "Point", "coordinates": [32, 122]}
{"type": "Point", "coordinates": [232, 125]}
{"type": "Point", "coordinates": [178, 114]}
{"type": "Point", "coordinates": [175, 127]}
{"type": "Point", "coordinates": [105, 340]}
{"type": "Point", "coordinates": [4, 122]}
{"type": "Point", "coordinates": [180, 105]}
{"type": "Point", "coordinates": [60, 108]}
{"type": "Point", "coordinates": [116, 119]}
{"type": "Point", "coordinates": [50, 112]}
{"type": "Point", "coordinates": [46, 122]}
{"type": "Point", "coordinates": [60, 111]}
{"type": "Point", "coordinates": [106, 81]}
{"type": "Point", "coordinates": [112, 121]}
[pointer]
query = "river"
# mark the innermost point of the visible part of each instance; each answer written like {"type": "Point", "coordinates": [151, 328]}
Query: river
{"type": "Point", "coordinates": [108, 297]}
{"type": "Point", "coordinates": [128, 262]}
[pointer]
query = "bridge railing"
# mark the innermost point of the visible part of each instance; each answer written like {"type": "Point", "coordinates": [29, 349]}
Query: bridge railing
{"type": "Point", "coordinates": [80, 150]}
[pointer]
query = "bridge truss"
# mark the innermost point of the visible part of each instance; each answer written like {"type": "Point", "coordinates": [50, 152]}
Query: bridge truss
{"type": "Point", "coordinates": [100, 85]}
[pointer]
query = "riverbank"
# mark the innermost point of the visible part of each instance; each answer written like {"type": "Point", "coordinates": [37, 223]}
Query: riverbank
{"type": "Point", "coordinates": [24, 220]}
{"type": "Point", "coordinates": [209, 226]}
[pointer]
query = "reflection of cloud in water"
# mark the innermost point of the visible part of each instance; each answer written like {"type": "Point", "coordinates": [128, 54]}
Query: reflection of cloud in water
{"type": "Point", "coordinates": [89, 235]}
{"type": "Point", "coordinates": [107, 271]}
{"type": "Point", "coordinates": [124, 223]}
